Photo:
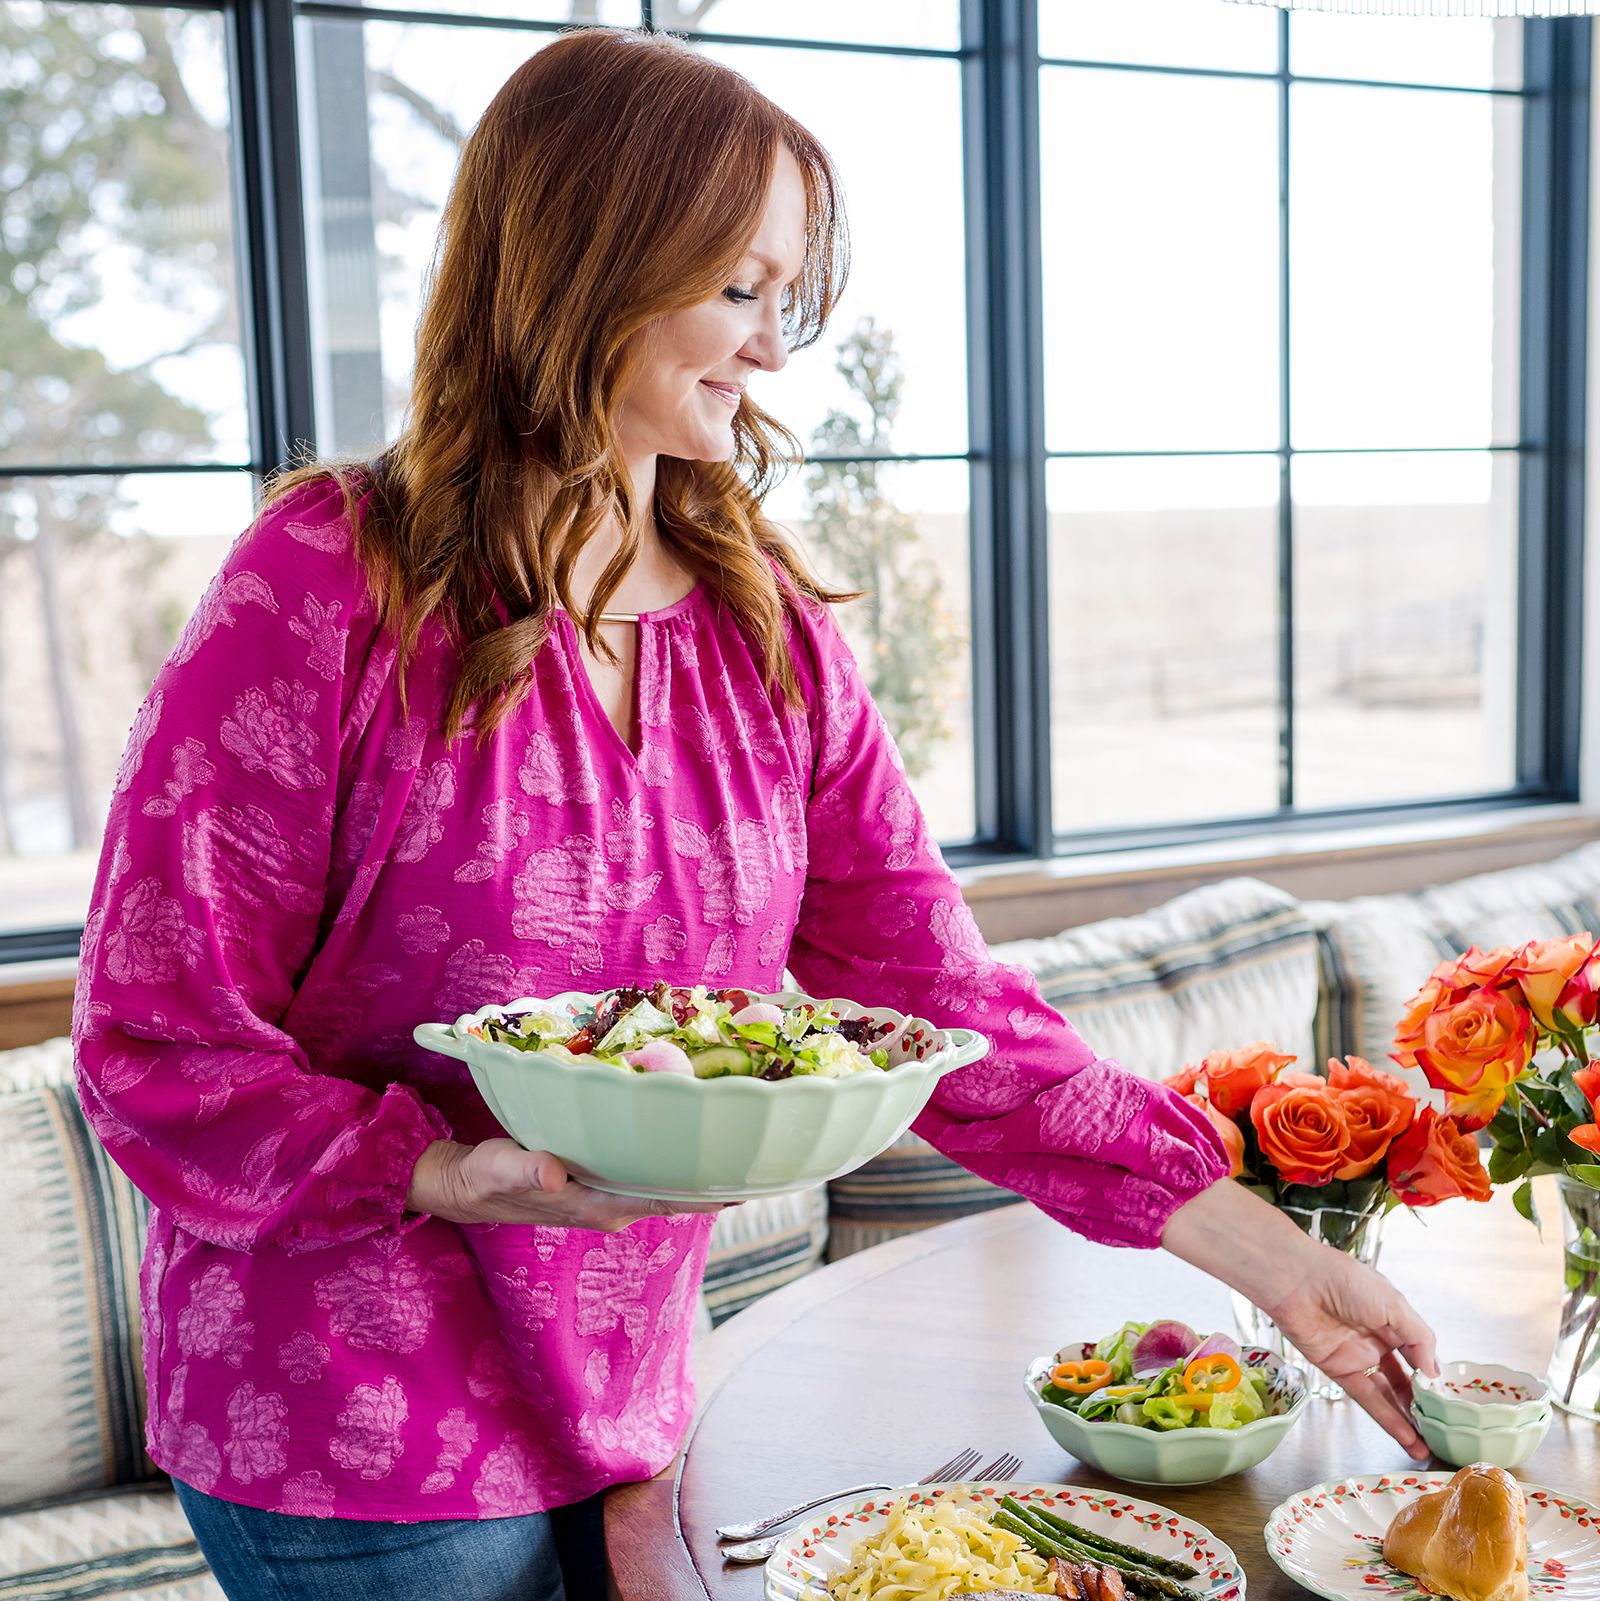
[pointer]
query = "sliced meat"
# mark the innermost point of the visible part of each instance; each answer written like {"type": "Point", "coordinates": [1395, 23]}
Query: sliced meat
{"type": "Point", "coordinates": [1064, 1576]}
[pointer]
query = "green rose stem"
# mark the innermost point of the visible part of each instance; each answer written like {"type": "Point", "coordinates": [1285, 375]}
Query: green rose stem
{"type": "Point", "coordinates": [1578, 1363]}
{"type": "Point", "coordinates": [1586, 1272]}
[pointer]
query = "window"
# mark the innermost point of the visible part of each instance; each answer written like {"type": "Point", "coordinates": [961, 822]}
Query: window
{"type": "Point", "coordinates": [124, 450]}
{"type": "Point", "coordinates": [1284, 433]}
{"type": "Point", "coordinates": [1200, 405]}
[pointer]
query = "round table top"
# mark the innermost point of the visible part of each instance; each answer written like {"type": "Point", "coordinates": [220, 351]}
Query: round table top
{"type": "Point", "coordinates": [882, 1365]}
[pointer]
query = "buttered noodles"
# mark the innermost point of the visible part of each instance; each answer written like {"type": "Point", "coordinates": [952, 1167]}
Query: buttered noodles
{"type": "Point", "coordinates": [933, 1550]}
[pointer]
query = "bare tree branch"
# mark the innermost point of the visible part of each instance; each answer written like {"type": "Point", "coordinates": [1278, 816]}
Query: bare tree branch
{"type": "Point", "coordinates": [219, 331]}
{"type": "Point", "coordinates": [435, 116]}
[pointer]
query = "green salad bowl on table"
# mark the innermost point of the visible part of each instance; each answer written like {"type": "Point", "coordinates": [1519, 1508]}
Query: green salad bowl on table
{"type": "Point", "coordinates": [669, 1137]}
{"type": "Point", "coordinates": [1172, 1456]}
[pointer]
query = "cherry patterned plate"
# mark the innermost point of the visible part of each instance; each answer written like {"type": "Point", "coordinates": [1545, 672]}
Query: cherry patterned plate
{"type": "Point", "coordinates": [820, 1548]}
{"type": "Point", "coordinates": [1330, 1539]}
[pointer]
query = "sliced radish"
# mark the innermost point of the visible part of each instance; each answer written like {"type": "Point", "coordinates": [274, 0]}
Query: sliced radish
{"type": "Point", "coordinates": [660, 1056]}
{"type": "Point", "coordinates": [758, 1012]}
{"type": "Point", "coordinates": [1161, 1346]}
{"type": "Point", "coordinates": [1218, 1345]}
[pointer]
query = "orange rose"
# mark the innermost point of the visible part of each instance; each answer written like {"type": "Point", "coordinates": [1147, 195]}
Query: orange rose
{"type": "Point", "coordinates": [1301, 1131]}
{"type": "Point", "coordinates": [1306, 1081]}
{"type": "Point", "coordinates": [1356, 1071]}
{"type": "Point", "coordinates": [1473, 1049]}
{"type": "Point", "coordinates": [1543, 967]}
{"type": "Point", "coordinates": [1233, 1077]}
{"type": "Point", "coordinates": [1479, 969]}
{"type": "Point", "coordinates": [1421, 1006]}
{"type": "Point", "coordinates": [1232, 1139]}
{"type": "Point", "coordinates": [1435, 1161]}
{"type": "Point", "coordinates": [1588, 1134]}
{"type": "Point", "coordinates": [1578, 1005]}
{"type": "Point", "coordinates": [1183, 1081]}
{"type": "Point", "coordinates": [1377, 1107]}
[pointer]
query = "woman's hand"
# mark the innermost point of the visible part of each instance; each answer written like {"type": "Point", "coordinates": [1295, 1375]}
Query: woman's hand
{"type": "Point", "coordinates": [498, 1181]}
{"type": "Point", "coordinates": [1345, 1317]}
{"type": "Point", "coordinates": [1349, 1319]}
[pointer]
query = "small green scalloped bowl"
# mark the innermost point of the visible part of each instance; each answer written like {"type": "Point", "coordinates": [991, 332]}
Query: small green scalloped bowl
{"type": "Point", "coordinates": [664, 1136]}
{"type": "Point", "coordinates": [1169, 1456]}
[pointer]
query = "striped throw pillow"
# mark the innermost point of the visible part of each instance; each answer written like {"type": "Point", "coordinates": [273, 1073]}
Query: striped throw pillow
{"type": "Point", "coordinates": [72, 1400]}
{"type": "Point", "coordinates": [1376, 951]}
{"type": "Point", "coordinates": [760, 1246]}
{"type": "Point", "coordinates": [119, 1545]}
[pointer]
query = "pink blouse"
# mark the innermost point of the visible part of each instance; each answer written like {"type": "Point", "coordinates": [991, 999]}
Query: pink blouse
{"type": "Point", "coordinates": [294, 875]}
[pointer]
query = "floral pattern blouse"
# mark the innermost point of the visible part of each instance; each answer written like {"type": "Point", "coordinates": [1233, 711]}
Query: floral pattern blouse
{"type": "Point", "coordinates": [295, 874]}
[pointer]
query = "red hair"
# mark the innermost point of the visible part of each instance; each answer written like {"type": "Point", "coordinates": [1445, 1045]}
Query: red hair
{"type": "Point", "coordinates": [616, 178]}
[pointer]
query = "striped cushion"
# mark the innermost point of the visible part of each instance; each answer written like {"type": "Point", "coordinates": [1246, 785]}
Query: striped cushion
{"type": "Point", "coordinates": [1219, 966]}
{"type": "Point", "coordinates": [761, 1245]}
{"type": "Point", "coordinates": [1375, 951]}
{"type": "Point", "coordinates": [31, 1067]}
{"type": "Point", "coordinates": [1222, 965]}
{"type": "Point", "coordinates": [128, 1545]}
{"type": "Point", "coordinates": [910, 1186]}
{"type": "Point", "coordinates": [72, 1402]}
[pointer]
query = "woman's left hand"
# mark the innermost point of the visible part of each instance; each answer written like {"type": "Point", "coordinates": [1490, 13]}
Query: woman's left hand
{"type": "Point", "coordinates": [1355, 1325]}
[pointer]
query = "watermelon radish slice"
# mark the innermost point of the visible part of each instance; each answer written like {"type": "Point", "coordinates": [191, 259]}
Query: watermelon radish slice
{"type": "Point", "coordinates": [1218, 1345]}
{"type": "Point", "coordinates": [1162, 1345]}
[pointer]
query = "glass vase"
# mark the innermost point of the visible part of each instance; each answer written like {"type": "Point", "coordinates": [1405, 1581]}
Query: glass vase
{"type": "Point", "coordinates": [1574, 1373]}
{"type": "Point", "coordinates": [1358, 1233]}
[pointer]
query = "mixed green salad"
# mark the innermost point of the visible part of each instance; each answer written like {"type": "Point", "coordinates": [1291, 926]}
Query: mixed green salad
{"type": "Point", "coordinates": [706, 1033]}
{"type": "Point", "coordinates": [1164, 1375]}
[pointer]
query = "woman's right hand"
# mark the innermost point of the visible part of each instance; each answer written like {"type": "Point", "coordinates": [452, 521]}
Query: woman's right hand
{"type": "Point", "coordinates": [498, 1181]}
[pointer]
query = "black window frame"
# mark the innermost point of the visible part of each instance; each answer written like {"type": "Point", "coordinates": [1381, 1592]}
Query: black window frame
{"type": "Point", "coordinates": [1006, 449]}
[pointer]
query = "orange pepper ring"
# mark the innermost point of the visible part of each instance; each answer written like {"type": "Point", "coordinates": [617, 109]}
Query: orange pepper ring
{"type": "Point", "coordinates": [1207, 1377]}
{"type": "Point", "coordinates": [1081, 1378]}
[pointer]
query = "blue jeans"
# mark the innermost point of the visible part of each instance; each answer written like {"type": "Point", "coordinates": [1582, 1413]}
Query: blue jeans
{"type": "Point", "coordinates": [275, 1556]}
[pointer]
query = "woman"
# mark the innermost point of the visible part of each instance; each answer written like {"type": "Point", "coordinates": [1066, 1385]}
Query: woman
{"type": "Point", "coordinates": [399, 765]}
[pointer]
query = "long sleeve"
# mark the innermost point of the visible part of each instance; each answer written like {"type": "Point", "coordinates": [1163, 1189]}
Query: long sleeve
{"type": "Point", "coordinates": [211, 895]}
{"type": "Point", "coordinates": [883, 922]}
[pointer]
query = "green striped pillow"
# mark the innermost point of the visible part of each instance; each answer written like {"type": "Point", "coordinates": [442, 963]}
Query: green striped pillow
{"type": "Point", "coordinates": [760, 1246]}
{"type": "Point", "coordinates": [130, 1545]}
{"type": "Point", "coordinates": [72, 1400]}
{"type": "Point", "coordinates": [1376, 951]}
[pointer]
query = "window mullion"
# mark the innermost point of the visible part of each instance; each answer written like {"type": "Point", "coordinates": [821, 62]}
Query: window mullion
{"type": "Point", "coordinates": [1009, 526]}
{"type": "Point", "coordinates": [272, 225]}
{"type": "Point", "coordinates": [1286, 619]}
{"type": "Point", "coordinates": [1554, 343]}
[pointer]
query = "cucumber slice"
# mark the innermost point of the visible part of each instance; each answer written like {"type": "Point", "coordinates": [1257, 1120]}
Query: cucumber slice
{"type": "Point", "coordinates": [720, 1061]}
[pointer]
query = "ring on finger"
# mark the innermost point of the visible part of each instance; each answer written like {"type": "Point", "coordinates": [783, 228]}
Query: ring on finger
{"type": "Point", "coordinates": [1372, 1371]}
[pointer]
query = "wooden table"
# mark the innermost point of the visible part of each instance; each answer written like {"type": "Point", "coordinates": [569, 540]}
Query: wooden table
{"type": "Point", "coordinates": [886, 1363]}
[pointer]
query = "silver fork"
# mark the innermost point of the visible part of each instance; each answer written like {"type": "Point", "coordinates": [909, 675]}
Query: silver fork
{"type": "Point", "coordinates": [962, 1462]}
{"type": "Point", "coordinates": [1001, 1468]}
{"type": "Point", "coordinates": [958, 1467]}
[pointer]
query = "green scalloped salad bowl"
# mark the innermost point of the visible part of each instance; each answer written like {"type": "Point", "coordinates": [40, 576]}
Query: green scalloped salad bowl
{"type": "Point", "coordinates": [1168, 1456]}
{"type": "Point", "coordinates": [664, 1136]}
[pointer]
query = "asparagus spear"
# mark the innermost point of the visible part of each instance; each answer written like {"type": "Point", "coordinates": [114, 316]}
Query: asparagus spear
{"type": "Point", "coordinates": [1148, 1559]}
{"type": "Point", "coordinates": [1051, 1542]}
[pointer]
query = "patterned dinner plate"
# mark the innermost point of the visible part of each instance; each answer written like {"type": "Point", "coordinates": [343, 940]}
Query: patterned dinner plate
{"type": "Point", "coordinates": [1330, 1539]}
{"type": "Point", "coordinates": [820, 1548]}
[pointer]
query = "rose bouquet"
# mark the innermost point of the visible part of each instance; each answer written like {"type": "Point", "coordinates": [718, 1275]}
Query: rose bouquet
{"type": "Point", "coordinates": [1352, 1144]}
{"type": "Point", "coordinates": [1506, 1035]}
{"type": "Point", "coordinates": [1334, 1154]}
